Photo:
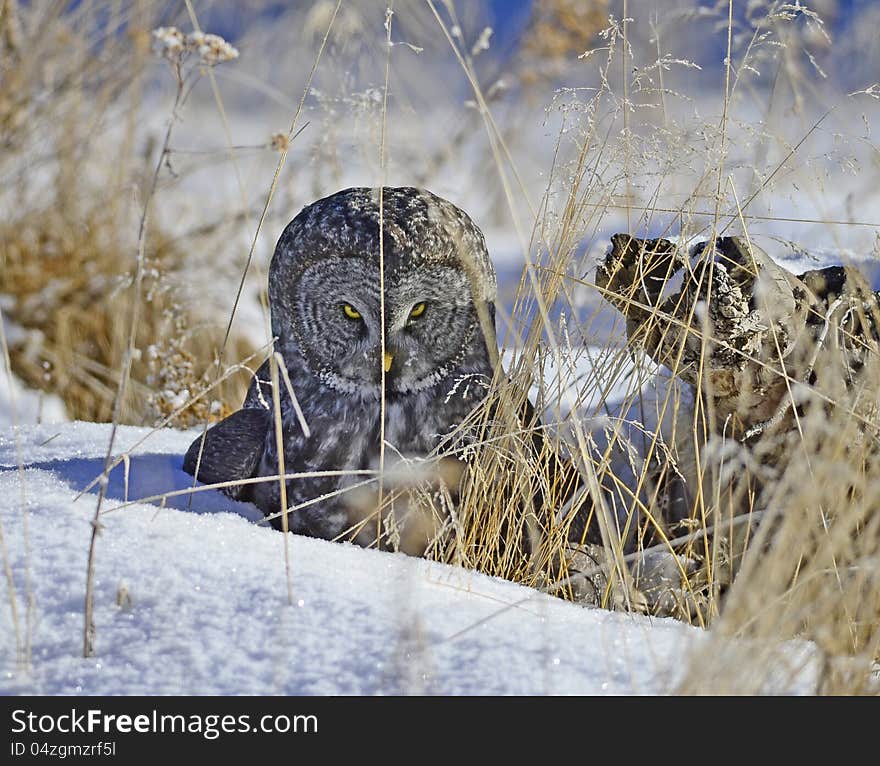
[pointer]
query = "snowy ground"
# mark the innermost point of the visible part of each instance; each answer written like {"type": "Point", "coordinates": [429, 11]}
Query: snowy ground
{"type": "Point", "coordinates": [194, 601]}
{"type": "Point", "coordinates": [191, 597]}
{"type": "Point", "coordinates": [25, 406]}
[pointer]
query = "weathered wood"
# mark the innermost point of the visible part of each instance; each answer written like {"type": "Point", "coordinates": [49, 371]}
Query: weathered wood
{"type": "Point", "coordinates": [740, 327]}
{"type": "Point", "coordinates": [774, 358]}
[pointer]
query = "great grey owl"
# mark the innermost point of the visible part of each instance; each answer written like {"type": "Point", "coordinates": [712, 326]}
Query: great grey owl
{"type": "Point", "coordinates": [327, 318]}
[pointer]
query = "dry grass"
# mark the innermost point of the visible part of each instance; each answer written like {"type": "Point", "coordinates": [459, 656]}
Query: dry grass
{"type": "Point", "coordinates": [69, 294]}
{"type": "Point", "coordinates": [687, 520]}
{"type": "Point", "coordinates": [558, 31]}
{"type": "Point", "coordinates": [772, 538]}
{"type": "Point", "coordinates": [68, 245]}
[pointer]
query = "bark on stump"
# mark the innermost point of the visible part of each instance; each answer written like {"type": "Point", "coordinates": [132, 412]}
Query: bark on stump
{"type": "Point", "coordinates": [740, 328]}
{"type": "Point", "coordinates": [762, 348]}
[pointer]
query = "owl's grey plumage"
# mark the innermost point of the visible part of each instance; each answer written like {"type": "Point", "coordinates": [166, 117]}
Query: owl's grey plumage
{"type": "Point", "coordinates": [325, 302]}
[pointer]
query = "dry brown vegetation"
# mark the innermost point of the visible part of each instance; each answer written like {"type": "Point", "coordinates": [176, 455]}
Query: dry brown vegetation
{"type": "Point", "coordinates": [68, 236]}
{"type": "Point", "coordinates": [678, 500]}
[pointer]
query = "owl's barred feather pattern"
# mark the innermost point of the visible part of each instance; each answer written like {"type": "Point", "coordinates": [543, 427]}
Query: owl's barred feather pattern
{"type": "Point", "coordinates": [324, 295]}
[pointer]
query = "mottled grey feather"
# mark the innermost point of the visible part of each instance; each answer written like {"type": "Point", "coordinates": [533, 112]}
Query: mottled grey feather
{"type": "Point", "coordinates": [232, 451]}
{"type": "Point", "coordinates": [326, 258]}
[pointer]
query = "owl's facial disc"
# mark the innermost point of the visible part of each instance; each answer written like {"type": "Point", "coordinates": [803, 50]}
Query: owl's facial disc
{"type": "Point", "coordinates": [429, 325]}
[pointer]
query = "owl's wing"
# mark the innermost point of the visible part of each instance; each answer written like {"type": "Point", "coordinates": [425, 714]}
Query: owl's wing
{"type": "Point", "coordinates": [233, 449]}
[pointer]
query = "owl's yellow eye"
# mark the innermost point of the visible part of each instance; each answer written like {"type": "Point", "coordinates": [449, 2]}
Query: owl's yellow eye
{"type": "Point", "coordinates": [418, 310]}
{"type": "Point", "coordinates": [350, 311]}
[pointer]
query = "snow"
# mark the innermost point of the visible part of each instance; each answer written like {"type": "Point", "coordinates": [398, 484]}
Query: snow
{"type": "Point", "coordinates": [195, 601]}
{"type": "Point", "coordinates": [190, 593]}
{"type": "Point", "coordinates": [25, 406]}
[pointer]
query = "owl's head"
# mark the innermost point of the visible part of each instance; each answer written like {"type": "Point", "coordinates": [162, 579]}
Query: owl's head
{"type": "Point", "coordinates": [328, 296]}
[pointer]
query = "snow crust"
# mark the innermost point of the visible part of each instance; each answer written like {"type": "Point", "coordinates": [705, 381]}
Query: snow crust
{"type": "Point", "coordinates": [195, 601]}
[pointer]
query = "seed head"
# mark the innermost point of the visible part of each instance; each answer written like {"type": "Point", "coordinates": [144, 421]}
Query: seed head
{"type": "Point", "coordinates": [168, 42]}
{"type": "Point", "coordinates": [212, 49]}
{"type": "Point", "coordinates": [172, 44]}
{"type": "Point", "coordinates": [280, 142]}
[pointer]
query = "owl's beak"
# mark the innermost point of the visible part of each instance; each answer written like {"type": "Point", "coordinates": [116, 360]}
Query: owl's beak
{"type": "Point", "coordinates": [388, 360]}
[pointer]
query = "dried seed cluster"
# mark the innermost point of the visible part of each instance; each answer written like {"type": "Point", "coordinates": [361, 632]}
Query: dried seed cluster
{"type": "Point", "coordinates": [171, 43]}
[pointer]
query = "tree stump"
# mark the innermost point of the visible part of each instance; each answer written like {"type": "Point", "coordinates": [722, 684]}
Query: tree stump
{"type": "Point", "coordinates": [775, 359]}
{"type": "Point", "coordinates": [747, 333]}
